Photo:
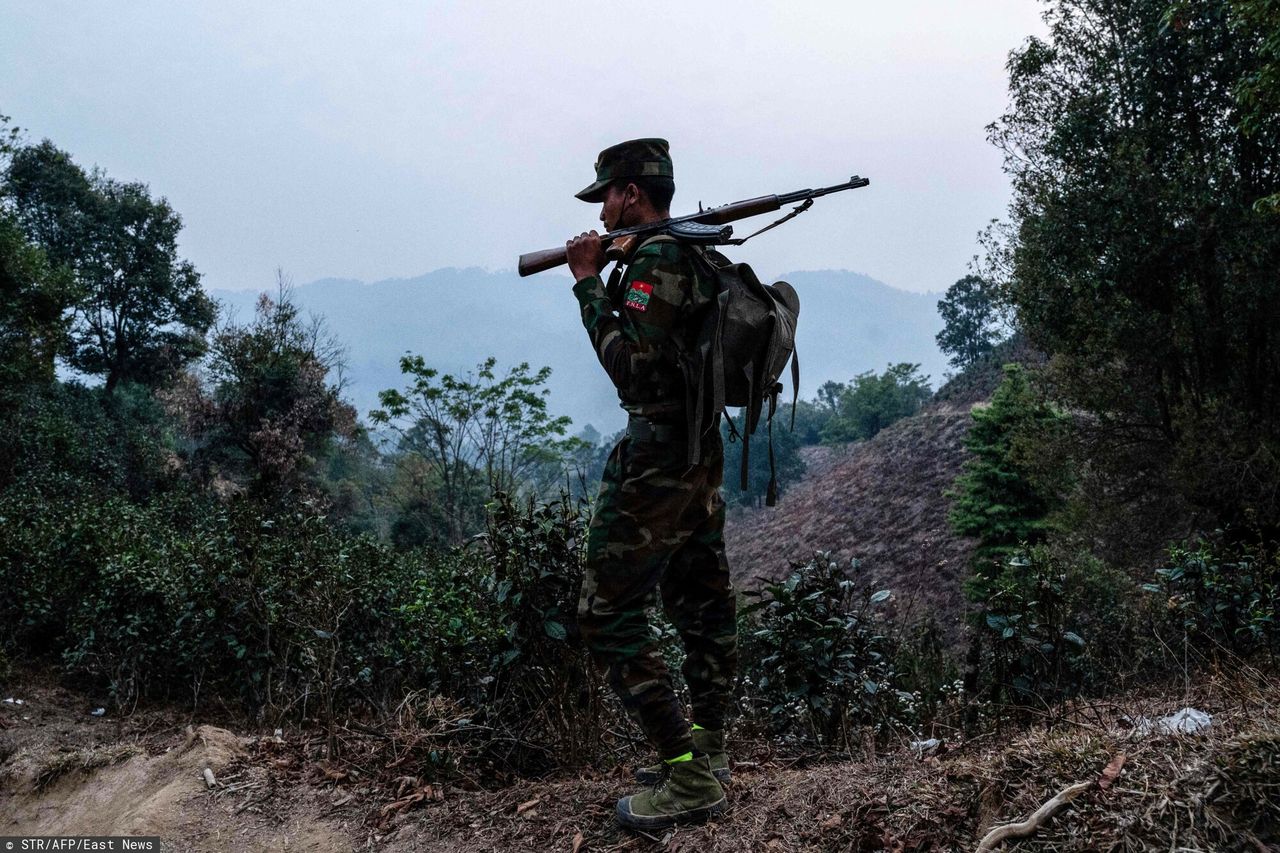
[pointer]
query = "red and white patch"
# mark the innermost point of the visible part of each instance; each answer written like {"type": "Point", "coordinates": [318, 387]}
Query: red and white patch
{"type": "Point", "coordinates": [638, 293]}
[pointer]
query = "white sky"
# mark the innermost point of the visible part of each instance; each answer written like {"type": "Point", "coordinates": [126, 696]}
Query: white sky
{"type": "Point", "coordinates": [387, 139]}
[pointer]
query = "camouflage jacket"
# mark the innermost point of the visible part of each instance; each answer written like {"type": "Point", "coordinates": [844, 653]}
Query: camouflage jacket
{"type": "Point", "coordinates": [636, 328]}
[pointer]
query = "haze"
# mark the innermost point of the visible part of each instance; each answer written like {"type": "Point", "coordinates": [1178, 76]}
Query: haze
{"type": "Point", "coordinates": [386, 140]}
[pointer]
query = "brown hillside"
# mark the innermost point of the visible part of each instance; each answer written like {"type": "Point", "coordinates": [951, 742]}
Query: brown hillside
{"type": "Point", "coordinates": [880, 501]}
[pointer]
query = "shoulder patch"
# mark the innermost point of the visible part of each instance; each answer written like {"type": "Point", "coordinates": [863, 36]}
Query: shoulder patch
{"type": "Point", "coordinates": [638, 294]}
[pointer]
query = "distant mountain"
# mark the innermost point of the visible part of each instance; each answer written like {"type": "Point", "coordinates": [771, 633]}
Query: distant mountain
{"type": "Point", "coordinates": [455, 318]}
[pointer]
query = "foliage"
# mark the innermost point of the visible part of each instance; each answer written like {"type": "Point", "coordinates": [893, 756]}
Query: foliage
{"type": "Point", "coordinates": [276, 406]}
{"type": "Point", "coordinates": [811, 417]}
{"type": "Point", "coordinates": [34, 298]}
{"type": "Point", "coordinates": [1258, 92]}
{"type": "Point", "coordinates": [1225, 595]}
{"type": "Point", "coordinates": [545, 691]}
{"type": "Point", "coordinates": [141, 315]}
{"type": "Point", "coordinates": [870, 402]}
{"type": "Point", "coordinates": [276, 608]}
{"type": "Point", "coordinates": [816, 661]}
{"type": "Point", "coordinates": [1053, 626]}
{"type": "Point", "coordinates": [451, 629]}
{"type": "Point", "coordinates": [971, 320]}
{"type": "Point", "coordinates": [1140, 255]}
{"type": "Point", "coordinates": [68, 438]}
{"type": "Point", "coordinates": [473, 436]}
{"type": "Point", "coordinates": [787, 466]}
{"type": "Point", "coordinates": [996, 498]}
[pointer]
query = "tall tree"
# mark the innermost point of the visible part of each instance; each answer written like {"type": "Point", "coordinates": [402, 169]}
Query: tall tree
{"type": "Point", "coordinates": [142, 315]}
{"type": "Point", "coordinates": [971, 321]}
{"type": "Point", "coordinates": [34, 294]}
{"type": "Point", "coordinates": [34, 299]}
{"type": "Point", "coordinates": [474, 435]}
{"type": "Point", "coordinates": [277, 395]}
{"type": "Point", "coordinates": [1140, 259]}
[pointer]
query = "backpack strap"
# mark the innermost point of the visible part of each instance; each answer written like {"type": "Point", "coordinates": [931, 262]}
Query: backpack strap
{"type": "Point", "coordinates": [795, 383]}
{"type": "Point", "coordinates": [700, 415]}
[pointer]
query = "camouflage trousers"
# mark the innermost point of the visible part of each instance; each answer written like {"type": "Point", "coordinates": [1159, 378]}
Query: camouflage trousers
{"type": "Point", "coordinates": [658, 527]}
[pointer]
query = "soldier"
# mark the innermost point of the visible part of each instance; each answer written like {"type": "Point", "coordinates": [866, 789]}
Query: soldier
{"type": "Point", "coordinates": [659, 520]}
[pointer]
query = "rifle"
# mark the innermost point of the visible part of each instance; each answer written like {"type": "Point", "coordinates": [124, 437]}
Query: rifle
{"type": "Point", "coordinates": [708, 227]}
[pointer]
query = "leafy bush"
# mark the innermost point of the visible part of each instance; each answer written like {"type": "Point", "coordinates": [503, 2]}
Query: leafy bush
{"type": "Point", "coordinates": [817, 662]}
{"type": "Point", "coordinates": [1224, 594]}
{"type": "Point", "coordinates": [545, 690]}
{"type": "Point", "coordinates": [65, 438]}
{"type": "Point", "coordinates": [1052, 627]}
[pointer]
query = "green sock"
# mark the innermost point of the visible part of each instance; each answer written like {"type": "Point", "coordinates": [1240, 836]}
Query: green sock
{"type": "Point", "coordinates": [688, 756]}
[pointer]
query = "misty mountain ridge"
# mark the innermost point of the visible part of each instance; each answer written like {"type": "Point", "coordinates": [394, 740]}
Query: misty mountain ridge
{"type": "Point", "coordinates": [457, 317]}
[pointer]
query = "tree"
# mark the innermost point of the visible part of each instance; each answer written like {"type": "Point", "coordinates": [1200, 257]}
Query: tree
{"type": "Point", "coordinates": [969, 312]}
{"type": "Point", "coordinates": [996, 498]}
{"type": "Point", "coordinates": [34, 299]}
{"type": "Point", "coordinates": [142, 315]}
{"type": "Point", "coordinates": [34, 295]}
{"type": "Point", "coordinates": [275, 407]}
{"type": "Point", "coordinates": [473, 435]}
{"type": "Point", "coordinates": [1259, 93]}
{"type": "Point", "coordinates": [871, 402]}
{"type": "Point", "coordinates": [1141, 256]}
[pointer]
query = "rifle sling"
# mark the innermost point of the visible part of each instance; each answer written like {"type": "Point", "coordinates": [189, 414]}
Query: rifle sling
{"type": "Point", "coordinates": [799, 209]}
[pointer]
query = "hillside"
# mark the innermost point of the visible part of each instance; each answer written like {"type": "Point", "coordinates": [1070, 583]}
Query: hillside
{"type": "Point", "coordinates": [455, 318]}
{"type": "Point", "coordinates": [881, 501]}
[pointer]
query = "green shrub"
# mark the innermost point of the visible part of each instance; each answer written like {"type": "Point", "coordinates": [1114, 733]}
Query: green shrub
{"type": "Point", "coordinates": [545, 690]}
{"type": "Point", "coordinates": [816, 662]}
{"type": "Point", "coordinates": [1054, 626]}
{"type": "Point", "coordinates": [1223, 595]}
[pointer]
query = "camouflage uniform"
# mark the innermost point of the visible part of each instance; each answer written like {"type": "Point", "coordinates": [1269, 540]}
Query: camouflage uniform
{"type": "Point", "coordinates": [659, 521]}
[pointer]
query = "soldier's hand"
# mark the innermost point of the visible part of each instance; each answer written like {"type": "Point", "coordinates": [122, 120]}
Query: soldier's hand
{"type": "Point", "coordinates": [586, 255]}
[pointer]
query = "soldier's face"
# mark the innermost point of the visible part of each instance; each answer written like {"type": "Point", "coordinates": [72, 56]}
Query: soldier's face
{"type": "Point", "coordinates": [614, 206]}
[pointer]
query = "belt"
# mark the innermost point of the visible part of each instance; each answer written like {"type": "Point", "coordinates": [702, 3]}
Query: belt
{"type": "Point", "coordinates": [643, 429]}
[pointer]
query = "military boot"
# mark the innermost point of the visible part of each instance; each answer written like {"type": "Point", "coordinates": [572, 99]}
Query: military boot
{"type": "Point", "coordinates": [688, 793]}
{"type": "Point", "coordinates": [704, 740]}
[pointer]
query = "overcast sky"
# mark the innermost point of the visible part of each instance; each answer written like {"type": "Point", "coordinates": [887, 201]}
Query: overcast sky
{"type": "Point", "coordinates": [387, 139]}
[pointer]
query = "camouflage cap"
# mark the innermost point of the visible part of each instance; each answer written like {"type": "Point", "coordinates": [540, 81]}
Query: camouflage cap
{"type": "Point", "coordinates": [636, 158]}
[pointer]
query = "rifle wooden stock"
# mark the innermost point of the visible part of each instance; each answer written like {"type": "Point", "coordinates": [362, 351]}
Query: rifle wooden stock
{"type": "Point", "coordinates": [538, 261]}
{"type": "Point", "coordinates": [551, 258]}
{"type": "Point", "coordinates": [725, 214]}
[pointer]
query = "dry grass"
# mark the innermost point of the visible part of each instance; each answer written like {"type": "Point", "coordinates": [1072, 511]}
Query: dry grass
{"type": "Point", "coordinates": [84, 760]}
{"type": "Point", "coordinates": [1218, 791]}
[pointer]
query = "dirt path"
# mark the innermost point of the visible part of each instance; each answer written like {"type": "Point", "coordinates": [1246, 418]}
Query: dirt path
{"type": "Point", "coordinates": [64, 771]}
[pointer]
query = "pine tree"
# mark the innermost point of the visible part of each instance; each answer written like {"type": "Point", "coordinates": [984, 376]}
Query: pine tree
{"type": "Point", "coordinates": [995, 497]}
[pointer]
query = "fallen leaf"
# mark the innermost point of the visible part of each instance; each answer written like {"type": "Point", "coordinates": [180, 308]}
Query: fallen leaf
{"type": "Point", "coordinates": [1111, 771]}
{"type": "Point", "coordinates": [427, 793]}
{"type": "Point", "coordinates": [578, 842]}
{"type": "Point", "coordinates": [524, 807]}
